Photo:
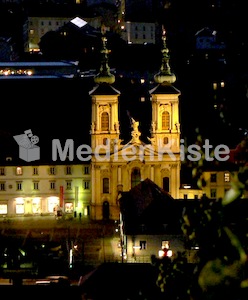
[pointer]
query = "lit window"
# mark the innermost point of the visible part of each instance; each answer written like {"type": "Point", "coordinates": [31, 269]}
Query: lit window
{"type": "Point", "coordinates": [19, 205]}
{"type": "Point", "coordinates": [227, 177]}
{"type": "Point", "coordinates": [165, 245]}
{"type": "Point", "coordinates": [165, 120]}
{"type": "Point", "coordinates": [105, 121]}
{"type": "Point", "coordinates": [19, 171]}
{"type": "Point", "coordinates": [3, 209]}
{"type": "Point", "coordinates": [215, 86]}
{"type": "Point", "coordinates": [31, 31]}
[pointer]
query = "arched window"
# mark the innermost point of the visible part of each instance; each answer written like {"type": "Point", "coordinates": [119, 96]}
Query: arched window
{"type": "Point", "coordinates": [165, 120]}
{"type": "Point", "coordinates": [105, 121]}
{"type": "Point", "coordinates": [105, 185]}
{"type": "Point", "coordinates": [105, 141]}
{"type": "Point", "coordinates": [166, 140]}
{"type": "Point", "coordinates": [166, 184]}
{"type": "Point", "coordinates": [135, 177]}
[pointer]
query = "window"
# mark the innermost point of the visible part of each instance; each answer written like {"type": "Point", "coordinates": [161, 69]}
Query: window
{"type": "Point", "coordinates": [19, 171]}
{"type": "Point", "coordinates": [165, 120]}
{"type": "Point", "coordinates": [31, 31]}
{"type": "Point", "coordinates": [165, 245]}
{"type": "Point", "coordinates": [52, 171]}
{"type": "Point", "coordinates": [105, 121]}
{"type": "Point", "coordinates": [68, 170]}
{"type": "Point", "coordinates": [36, 185]}
{"type": "Point", "coordinates": [227, 177]}
{"type": "Point", "coordinates": [2, 186]}
{"type": "Point", "coordinates": [105, 183]}
{"type": "Point", "coordinates": [35, 171]}
{"type": "Point", "coordinates": [166, 140]}
{"type": "Point", "coordinates": [19, 205]}
{"type": "Point", "coordinates": [3, 209]}
{"type": "Point", "coordinates": [213, 193]}
{"type": "Point", "coordinates": [86, 185]}
{"type": "Point", "coordinates": [86, 170]}
{"type": "Point", "coordinates": [68, 184]}
{"type": "Point", "coordinates": [2, 171]}
{"type": "Point", "coordinates": [19, 185]}
{"type": "Point", "coordinates": [166, 184]}
{"type": "Point", "coordinates": [135, 177]}
{"type": "Point", "coordinates": [105, 141]}
{"type": "Point", "coordinates": [142, 245]}
{"type": "Point", "coordinates": [213, 177]}
{"type": "Point", "coordinates": [52, 185]}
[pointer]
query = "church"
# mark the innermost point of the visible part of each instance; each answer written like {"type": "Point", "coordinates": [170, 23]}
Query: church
{"type": "Point", "coordinates": [117, 167]}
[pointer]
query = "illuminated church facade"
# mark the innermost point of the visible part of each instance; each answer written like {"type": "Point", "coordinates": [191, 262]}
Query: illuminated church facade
{"type": "Point", "coordinates": [118, 167]}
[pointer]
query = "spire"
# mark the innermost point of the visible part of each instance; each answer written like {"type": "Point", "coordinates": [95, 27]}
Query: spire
{"type": "Point", "coordinates": [104, 75]}
{"type": "Point", "coordinates": [165, 75]}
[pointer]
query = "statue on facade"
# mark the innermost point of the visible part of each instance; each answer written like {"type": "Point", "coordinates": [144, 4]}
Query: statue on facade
{"type": "Point", "coordinates": [135, 132]}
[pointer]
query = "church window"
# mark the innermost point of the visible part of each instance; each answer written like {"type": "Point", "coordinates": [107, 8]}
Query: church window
{"type": "Point", "coordinates": [105, 184]}
{"type": "Point", "coordinates": [165, 120]}
{"type": "Point", "coordinates": [166, 140]}
{"type": "Point", "coordinates": [166, 184]}
{"type": "Point", "coordinates": [105, 121]}
{"type": "Point", "coordinates": [105, 141]}
{"type": "Point", "coordinates": [135, 177]}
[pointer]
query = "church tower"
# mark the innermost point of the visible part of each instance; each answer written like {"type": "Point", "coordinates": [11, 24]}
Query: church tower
{"type": "Point", "coordinates": [104, 134]}
{"type": "Point", "coordinates": [165, 125]}
{"type": "Point", "coordinates": [118, 167]}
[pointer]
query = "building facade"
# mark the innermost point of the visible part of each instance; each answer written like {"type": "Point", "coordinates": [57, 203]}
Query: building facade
{"type": "Point", "coordinates": [40, 190]}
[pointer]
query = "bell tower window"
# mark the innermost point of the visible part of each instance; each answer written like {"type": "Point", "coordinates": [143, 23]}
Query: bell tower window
{"type": "Point", "coordinates": [105, 121]}
{"type": "Point", "coordinates": [165, 120]}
